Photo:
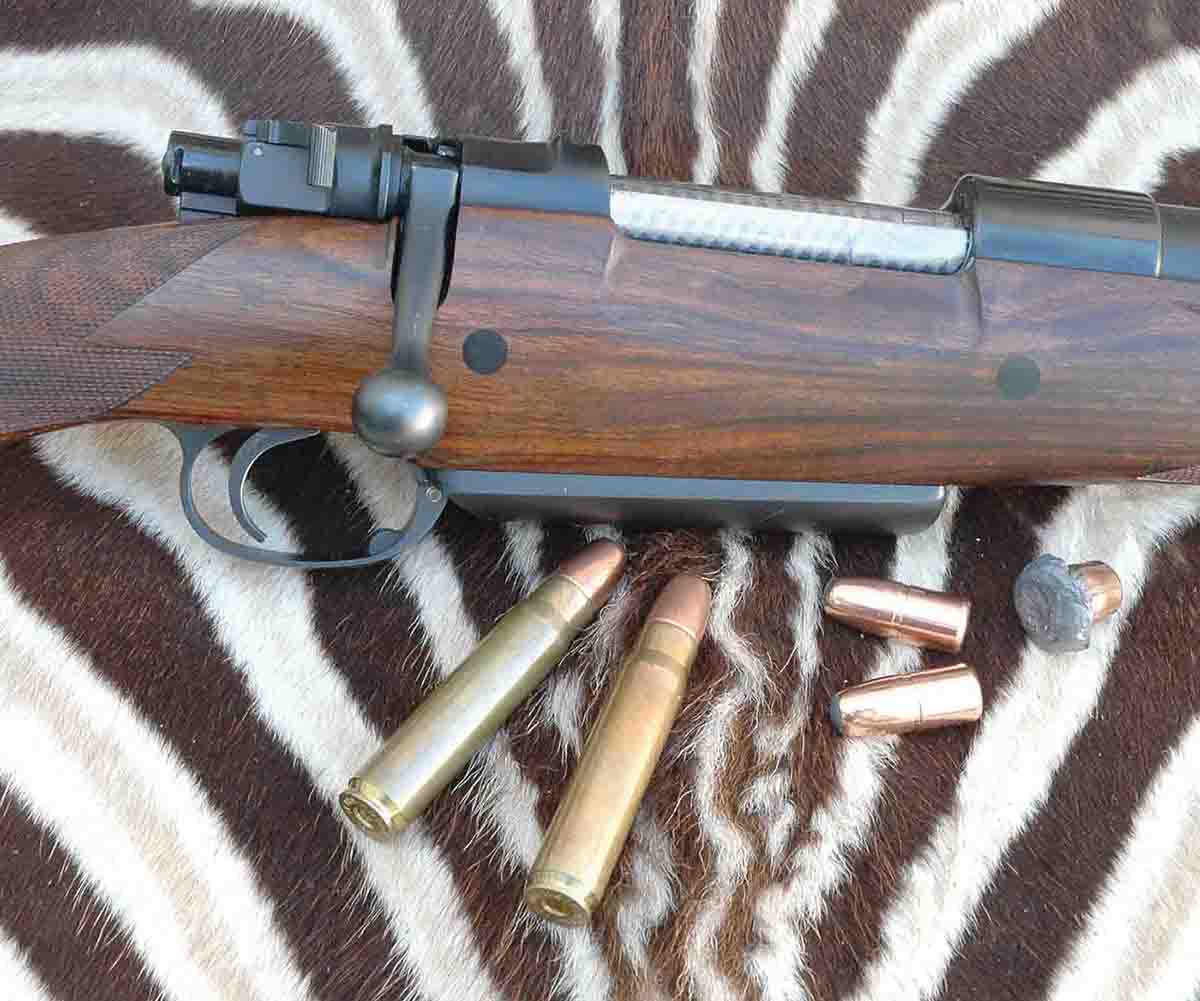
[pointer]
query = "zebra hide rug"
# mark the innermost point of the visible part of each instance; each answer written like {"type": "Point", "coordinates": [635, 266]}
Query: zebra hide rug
{"type": "Point", "coordinates": [175, 725]}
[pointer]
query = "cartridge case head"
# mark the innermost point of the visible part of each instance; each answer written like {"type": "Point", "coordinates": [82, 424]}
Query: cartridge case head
{"type": "Point", "coordinates": [903, 703]}
{"type": "Point", "coordinates": [911, 615]}
{"type": "Point", "coordinates": [466, 709]}
{"type": "Point", "coordinates": [1059, 603]}
{"type": "Point", "coordinates": [593, 819]}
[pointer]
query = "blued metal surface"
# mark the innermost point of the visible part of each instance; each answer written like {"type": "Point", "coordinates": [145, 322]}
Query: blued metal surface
{"type": "Point", "coordinates": [1180, 242]}
{"type": "Point", "coordinates": [555, 176]}
{"type": "Point", "coordinates": [593, 819]}
{"type": "Point", "coordinates": [435, 742]}
{"type": "Point", "coordinates": [251, 450]}
{"type": "Point", "coordinates": [791, 226]}
{"type": "Point", "coordinates": [384, 544]}
{"type": "Point", "coordinates": [1064, 225]}
{"type": "Point", "coordinates": [912, 615]}
{"type": "Point", "coordinates": [356, 172]}
{"type": "Point", "coordinates": [904, 703]}
{"type": "Point", "coordinates": [398, 411]}
{"type": "Point", "coordinates": [757, 505]}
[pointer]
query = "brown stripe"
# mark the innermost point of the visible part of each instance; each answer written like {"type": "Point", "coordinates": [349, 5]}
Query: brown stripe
{"type": "Point", "coordinates": [748, 48]}
{"type": "Point", "coordinates": [75, 947]}
{"type": "Point", "coordinates": [128, 608]}
{"type": "Point", "coordinates": [845, 656]}
{"type": "Point", "coordinates": [371, 630]}
{"type": "Point", "coordinates": [829, 116]}
{"type": "Point", "coordinates": [1035, 102]}
{"type": "Point", "coordinates": [656, 119]}
{"type": "Point", "coordinates": [1181, 185]}
{"type": "Point", "coordinates": [464, 64]}
{"type": "Point", "coordinates": [765, 622]}
{"type": "Point", "coordinates": [572, 65]}
{"type": "Point", "coordinates": [1054, 872]}
{"type": "Point", "coordinates": [107, 765]}
{"type": "Point", "coordinates": [258, 63]}
{"type": "Point", "coordinates": [994, 536]}
{"type": "Point", "coordinates": [62, 185]}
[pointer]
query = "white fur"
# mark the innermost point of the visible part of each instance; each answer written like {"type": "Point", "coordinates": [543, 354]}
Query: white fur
{"type": "Point", "coordinates": [20, 981]}
{"type": "Point", "coordinates": [652, 894]}
{"type": "Point", "coordinates": [1129, 138]}
{"type": "Point", "coordinates": [947, 49]}
{"type": "Point", "coordinates": [781, 744]}
{"type": "Point", "coordinates": [523, 547]}
{"type": "Point", "coordinates": [263, 619]}
{"type": "Point", "coordinates": [13, 230]}
{"type": "Point", "coordinates": [1149, 898]}
{"type": "Point", "coordinates": [841, 825]}
{"type": "Point", "coordinates": [730, 847]}
{"type": "Point", "coordinates": [133, 95]}
{"type": "Point", "coordinates": [799, 46]}
{"type": "Point", "coordinates": [212, 891]}
{"type": "Point", "coordinates": [606, 25]}
{"type": "Point", "coordinates": [1022, 740]}
{"type": "Point", "coordinates": [501, 797]}
{"type": "Point", "coordinates": [107, 850]}
{"type": "Point", "coordinates": [1178, 972]}
{"type": "Point", "coordinates": [706, 19]}
{"type": "Point", "coordinates": [516, 21]}
{"type": "Point", "coordinates": [367, 44]}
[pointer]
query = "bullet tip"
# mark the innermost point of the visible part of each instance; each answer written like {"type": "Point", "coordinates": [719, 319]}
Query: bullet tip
{"type": "Point", "coordinates": [596, 568]}
{"type": "Point", "coordinates": [684, 602]}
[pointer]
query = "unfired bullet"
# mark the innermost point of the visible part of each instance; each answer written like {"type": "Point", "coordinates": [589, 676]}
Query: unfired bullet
{"type": "Point", "coordinates": [434, 744]}
{"type": "Point", "coordinates": [887, 608]}
{"type": "Point", "coordinates": [902, 703]}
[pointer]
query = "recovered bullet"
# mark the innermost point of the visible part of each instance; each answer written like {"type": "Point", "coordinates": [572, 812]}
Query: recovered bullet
{"type": "Point", "coordinates": [898, 611]}
{"type": "Point", "coordinates": [434, 744]}
{"type": "Point", "coordinates": [593, 819]}
{"type": "Point", "coordinates": [902, 703]}
{"type": "Point", "coordinates": [1058, 604]}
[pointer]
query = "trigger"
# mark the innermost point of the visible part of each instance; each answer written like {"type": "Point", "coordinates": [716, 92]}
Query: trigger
{"type": "Point", "coordinates": [250, 452]}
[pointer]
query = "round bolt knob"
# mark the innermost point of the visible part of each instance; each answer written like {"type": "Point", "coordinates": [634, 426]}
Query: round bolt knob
{"type": "Point", "coordinates": [397, 412]}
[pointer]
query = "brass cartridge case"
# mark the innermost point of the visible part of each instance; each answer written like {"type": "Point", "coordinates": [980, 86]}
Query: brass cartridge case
{"type": "Point", "coordinates": [597, 810]}
{"type": "Point", "coordinates": [434, 744]}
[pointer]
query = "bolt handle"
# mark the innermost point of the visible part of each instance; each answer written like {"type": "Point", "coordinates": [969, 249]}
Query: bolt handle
{"type": "Point", "coordinates": [398, 411]}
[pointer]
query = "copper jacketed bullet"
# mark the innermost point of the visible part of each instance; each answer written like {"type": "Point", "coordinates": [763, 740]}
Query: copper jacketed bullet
{"type": "Point", "coordinates": [434, 744]}
{"type": "Point", "coordinates": [898, 611]}
{"type": "Point", "coordinates": [597, 809]}
{"type": "Point", "coordinates": [902, 703]}
{"type": "Point", "coordinates": [1059, 603]}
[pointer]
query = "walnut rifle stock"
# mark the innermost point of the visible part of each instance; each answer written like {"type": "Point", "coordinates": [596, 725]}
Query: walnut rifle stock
{"type": "Point", "coordinates": [592, 328]}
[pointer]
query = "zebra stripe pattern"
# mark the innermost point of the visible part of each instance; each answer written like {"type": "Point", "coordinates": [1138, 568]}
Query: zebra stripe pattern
{"type": "Point", "coordinates": [175, 725]}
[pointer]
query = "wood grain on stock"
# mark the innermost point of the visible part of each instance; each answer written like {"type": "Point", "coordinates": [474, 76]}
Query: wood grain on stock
{"type": "Point", "coordinates": [630, 357]}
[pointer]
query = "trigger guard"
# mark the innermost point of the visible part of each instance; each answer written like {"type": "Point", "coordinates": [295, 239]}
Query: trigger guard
{"type": "Point", "coordinates": [386, 543]}
{"type": "Point", "coordinates": [251, 451]}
